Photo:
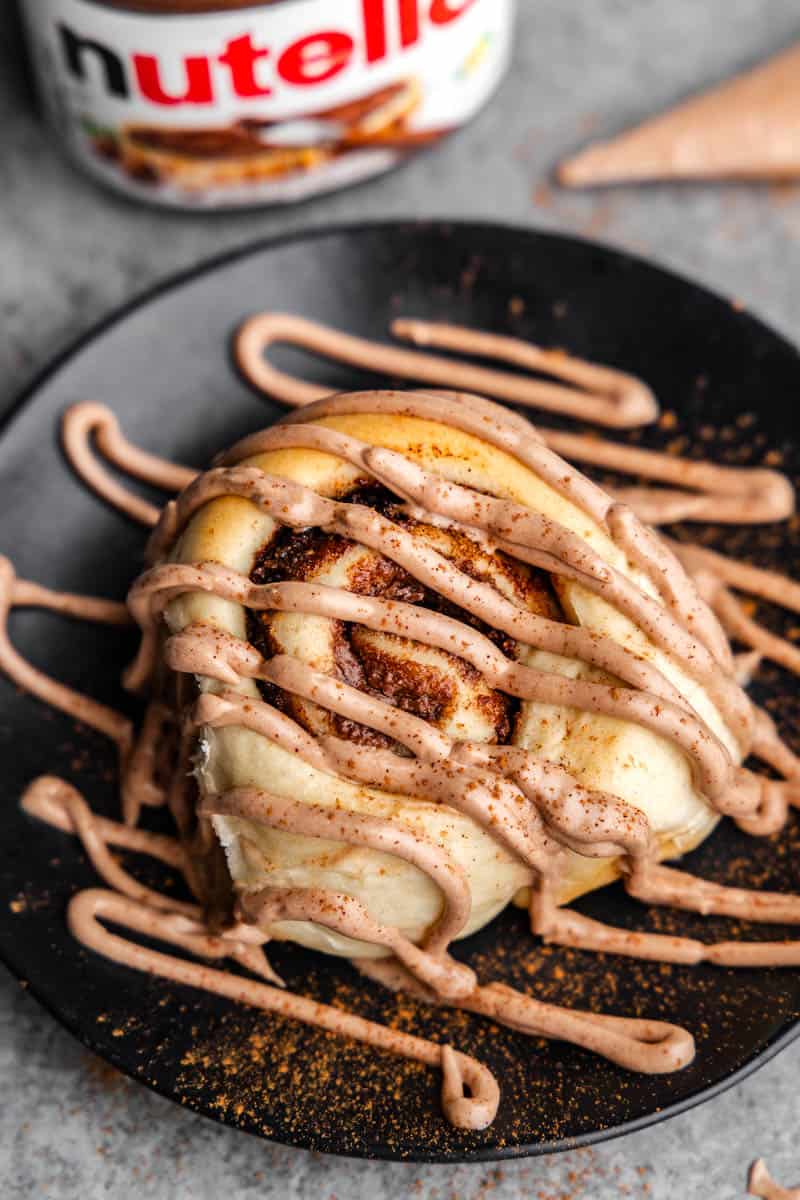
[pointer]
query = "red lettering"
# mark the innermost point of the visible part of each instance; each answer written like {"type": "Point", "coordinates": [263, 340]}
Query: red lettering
{"type": "Point", "coordinates": [240, 57]}
{"type": "Point", "coordinates": [198, 81]}
{"type": "Point", "coordinates": [409, 22]}
{"type": "Point", "coordinates": [445, 11]}
{"type": "Point", "coordinates": [374, 29]}
{"type": "Point", "coordinates": [313, 59]}
{"type": "Point", "coordinates": [316, 58]}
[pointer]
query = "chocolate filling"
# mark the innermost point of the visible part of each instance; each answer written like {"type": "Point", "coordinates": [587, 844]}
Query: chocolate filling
{"type": "Point", "coordinates": [418, 688]}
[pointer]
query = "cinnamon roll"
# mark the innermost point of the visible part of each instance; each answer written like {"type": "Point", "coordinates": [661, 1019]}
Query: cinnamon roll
{"type": "Point", "coordinates": [434, 665]}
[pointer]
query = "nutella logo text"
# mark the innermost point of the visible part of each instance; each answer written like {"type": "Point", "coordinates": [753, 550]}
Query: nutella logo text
{"type": "Point", "coordinates": [248, 69]}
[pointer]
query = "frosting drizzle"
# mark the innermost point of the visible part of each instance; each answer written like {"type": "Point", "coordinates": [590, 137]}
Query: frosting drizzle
{"type": "Point", "coordinates": [534, 808]}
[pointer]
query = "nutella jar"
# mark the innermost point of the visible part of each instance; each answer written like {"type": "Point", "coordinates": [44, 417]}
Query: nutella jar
{"type": "Point", "coordinates": [218, 103]}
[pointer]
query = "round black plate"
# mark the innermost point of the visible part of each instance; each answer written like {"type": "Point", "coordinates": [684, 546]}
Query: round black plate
{"type": "Point", "coordinates": [164, 368]}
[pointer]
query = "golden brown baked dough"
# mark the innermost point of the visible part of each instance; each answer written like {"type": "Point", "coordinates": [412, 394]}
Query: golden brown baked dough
{"type": "Point", "coordinates": [601, 752]}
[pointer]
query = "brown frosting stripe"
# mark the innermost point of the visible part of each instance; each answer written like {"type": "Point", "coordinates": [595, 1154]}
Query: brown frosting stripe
{"type": "Point", "coordinates": [703, 490]}
{"type": "Point", "coordinates": [13, 593]}
{"type": "Point", "coordinates": [391, 837]}
{"type": "Point", "coordinates": [589, 819]}
{"type": "Point", "coordinates": [604, 395]}
{"type": "Point", "coordinates": [648, 1047]}
{"type": "Point", "coordinates": [564, 927]}
{"type": "Point", "coordinates": [713, 572]}
{"type": "Point", "coordinates": [473, 1111]}
{"type": "Point", "coordinates": [82, 422]}
{"type": "Point", "coordinates": [346, 915]}
{"type": "Point", "coordinates": [515, 823]}
{"type": "Point", "coordinates": [57, 802]}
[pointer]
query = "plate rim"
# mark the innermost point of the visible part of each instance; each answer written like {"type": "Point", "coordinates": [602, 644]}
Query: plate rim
{"type": "Point", "coordinates": [207, 266]}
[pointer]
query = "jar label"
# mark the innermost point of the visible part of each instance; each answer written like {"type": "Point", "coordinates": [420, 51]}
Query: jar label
{"type": "Point", "coordinates": [266, 104]}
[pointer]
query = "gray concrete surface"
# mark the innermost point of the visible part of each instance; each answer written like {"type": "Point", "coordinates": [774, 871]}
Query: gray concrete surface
{"type": "Point", "coordinates": [68, 253]}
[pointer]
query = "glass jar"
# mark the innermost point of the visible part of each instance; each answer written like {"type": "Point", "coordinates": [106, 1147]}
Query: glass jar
{"type": "Point", "coordinates": [218, 103]}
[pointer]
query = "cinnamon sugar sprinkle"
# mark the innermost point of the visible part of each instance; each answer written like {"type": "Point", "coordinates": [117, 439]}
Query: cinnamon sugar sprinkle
{"type": "Point", "coordinates": [364, 722]}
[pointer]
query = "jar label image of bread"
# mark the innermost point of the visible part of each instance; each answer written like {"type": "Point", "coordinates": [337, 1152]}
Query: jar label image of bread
{"type": "Point", "coordinates": [204, 104]}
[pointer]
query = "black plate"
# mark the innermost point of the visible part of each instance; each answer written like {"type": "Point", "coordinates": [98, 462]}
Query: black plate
{"type": "Point", "coordinates": [162, 366]}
